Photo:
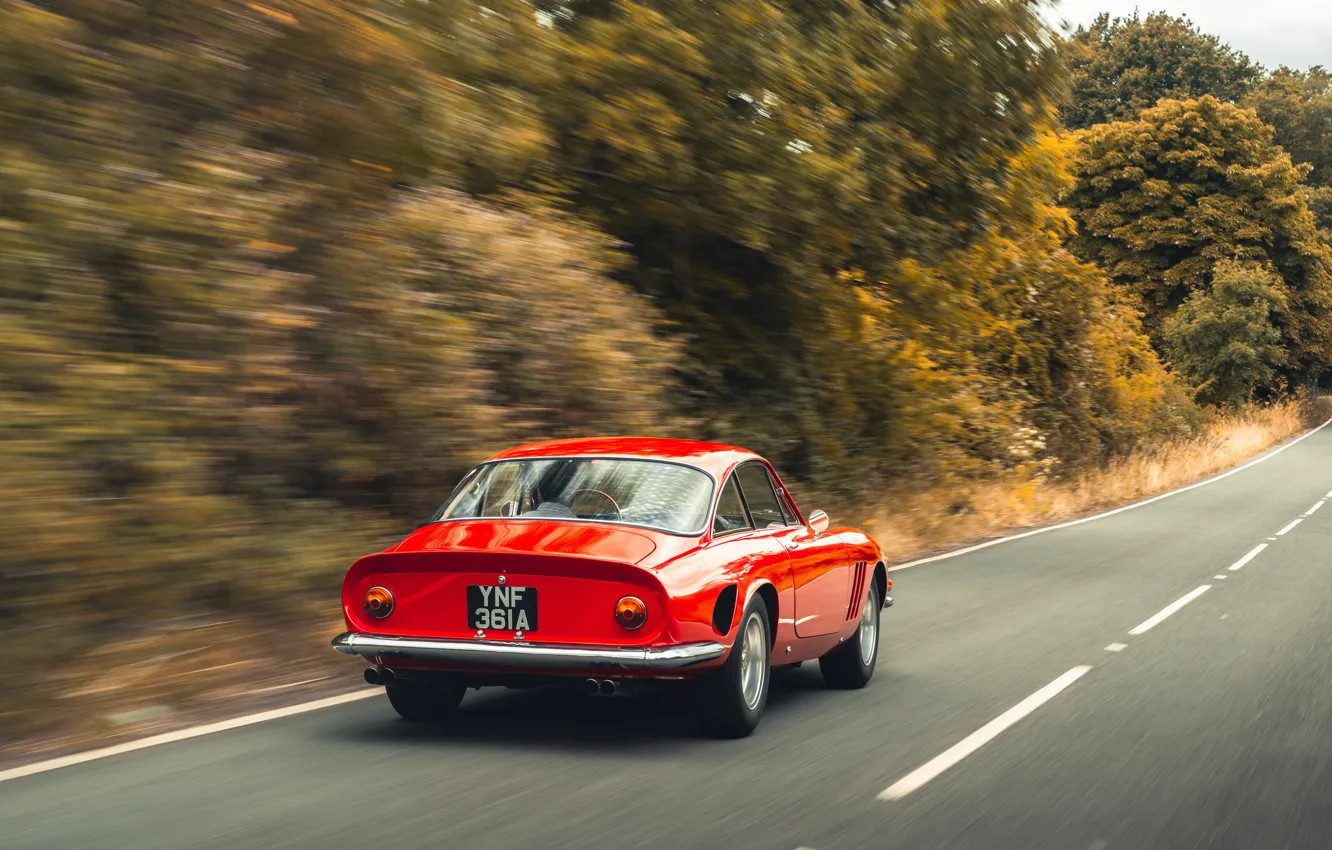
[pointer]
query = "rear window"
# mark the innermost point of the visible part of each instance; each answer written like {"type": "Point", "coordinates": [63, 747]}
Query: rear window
{"type": "Point", "coordinates": [654, 494]}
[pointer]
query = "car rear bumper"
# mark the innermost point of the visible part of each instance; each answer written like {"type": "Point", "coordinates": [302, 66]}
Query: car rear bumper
{"type": "Point", "coordinates": [492, 654]}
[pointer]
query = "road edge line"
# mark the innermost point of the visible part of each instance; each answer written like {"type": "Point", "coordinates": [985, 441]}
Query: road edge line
{"type": "Point", "coordinates": [1195, 485]}
{"type": "Point", "coordinates": [183, 734]}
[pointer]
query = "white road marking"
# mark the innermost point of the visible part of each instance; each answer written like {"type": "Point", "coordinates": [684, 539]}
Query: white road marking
{"type": "Point", "coordinates": [1293, 523]}
{"type": "Point", "coordinates": [1271, 538]}
{"type": "Point", "coordinates": [982, 736]}
{"type": "Point", "coordinates": [1116, 647]}
{"type": "Point", "coordinates": [1316, 506]}
{"type": "Point", "coordinates": [1155, 620]}
{"type": "Point", "coordinates": [1221, 578]}
{"type": "Point", "coordinates": [969, 549]}
{"type": "Point", "coordinates": [1329, 494]}
{"type": "Point", "coordinates": [184, 734]}
{"type": "Point", "coordinates": [1253, 553]}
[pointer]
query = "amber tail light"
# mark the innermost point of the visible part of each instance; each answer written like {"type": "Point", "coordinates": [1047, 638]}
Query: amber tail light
{"type": "Point", "coordinates": [378, 602]}
{"type": "Point", "coordinates": [630, 612]}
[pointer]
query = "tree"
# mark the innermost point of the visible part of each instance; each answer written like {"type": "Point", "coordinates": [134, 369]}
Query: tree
{"type": "Point", "coordinates": [1122, 66]}
{"type": "Point", "coordinates": [1298, 105]}
{"type": "Point", "coordinates": [1161, 200]}
{"type": "Point", "coordinates": [1227, 340]}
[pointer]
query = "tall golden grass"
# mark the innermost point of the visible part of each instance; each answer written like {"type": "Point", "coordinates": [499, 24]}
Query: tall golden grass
{"type": "Point", "coordinates": [193, 669]}
{"type": "Point", "coordinates": [924, 520]}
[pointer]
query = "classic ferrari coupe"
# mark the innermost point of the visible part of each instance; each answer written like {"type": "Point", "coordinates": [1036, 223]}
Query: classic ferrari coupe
{"type": "Point", "coordinates": [612, 563]}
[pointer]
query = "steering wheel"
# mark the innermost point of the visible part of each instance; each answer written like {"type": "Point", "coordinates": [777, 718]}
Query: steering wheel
{"type": "Point", "coordinates": [619, 515]}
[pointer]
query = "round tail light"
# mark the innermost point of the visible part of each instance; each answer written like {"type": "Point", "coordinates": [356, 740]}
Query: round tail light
{"type": "Point", "coordinates": [630, 612]}
{"type": "Point", "coordinates": [378, 602]}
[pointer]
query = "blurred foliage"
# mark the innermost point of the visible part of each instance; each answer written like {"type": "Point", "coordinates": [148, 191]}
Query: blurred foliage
{"type": "Point", "coordinates": [274, 274]}
{"type": "Point", "coordinates": [1121, 66]}
{"type": "Point", "coordinates": [1162, 200]}
{"type": "Point", "coordinates": [1298, 106]}
{"type": "Point", "coordinates": [1226, 339]}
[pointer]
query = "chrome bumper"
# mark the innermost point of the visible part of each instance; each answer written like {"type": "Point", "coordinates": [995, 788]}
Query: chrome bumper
{"type": "Point", "coordinates": [489, 653]}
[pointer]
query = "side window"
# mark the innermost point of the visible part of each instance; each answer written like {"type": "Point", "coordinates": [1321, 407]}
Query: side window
{"type": "Point", "coordinates": [759, 495]}
{"type": "Point", "coordinates": [731, 514]}
{"type": "Point", "coordinates": [788, 509]}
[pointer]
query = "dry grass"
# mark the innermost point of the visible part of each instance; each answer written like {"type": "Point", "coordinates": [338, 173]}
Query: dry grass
{"type": "Point", "coordinates": [194, 669]}
{"type": "Point", "coordinates": [926, 520]}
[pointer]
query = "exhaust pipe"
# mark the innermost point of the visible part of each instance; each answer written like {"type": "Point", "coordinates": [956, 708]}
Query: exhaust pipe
{"type": "Point", "coordinates": [375, 676]}
{"type": "Point", "coordinates": [591, 688]}
{"type": "Point", "coordinates": [607, 688]}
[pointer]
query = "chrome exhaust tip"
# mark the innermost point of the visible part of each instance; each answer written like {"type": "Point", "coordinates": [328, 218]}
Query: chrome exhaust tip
{"type": "Point", "coordinates": [591, 687]}
{"type": "Point", "coordinates": [607, 688]}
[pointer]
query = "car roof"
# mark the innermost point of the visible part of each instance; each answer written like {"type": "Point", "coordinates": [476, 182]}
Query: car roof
{"type": "Point", "coordinates": [712, 457]}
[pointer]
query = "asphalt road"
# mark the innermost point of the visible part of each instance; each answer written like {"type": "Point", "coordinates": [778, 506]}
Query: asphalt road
{"type": "Point", "coordinates": [1213, 728]}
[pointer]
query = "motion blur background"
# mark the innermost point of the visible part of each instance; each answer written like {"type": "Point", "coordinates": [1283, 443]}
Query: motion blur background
{"type": "Point", "coordinates": [274, 275]}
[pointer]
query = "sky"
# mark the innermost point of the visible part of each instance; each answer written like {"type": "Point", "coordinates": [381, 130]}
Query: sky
{"type": "Point", "coordinates": [1297, 33]}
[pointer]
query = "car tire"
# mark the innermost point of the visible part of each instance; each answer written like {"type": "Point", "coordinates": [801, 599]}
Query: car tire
{"type": "Point", "coordinates": [851, 665]}
{"type": "Point", "coordinates": [424, 704]}
{"type": "Point", "coordinates": [731, 700]}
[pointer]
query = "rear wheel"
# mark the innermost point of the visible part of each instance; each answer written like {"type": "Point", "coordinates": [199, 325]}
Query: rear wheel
{"type": "Point", "coordinates": [422, 704]}
{"type": "Point", "coordinates": [732, 698]}
{"type": "Point", "coordinates": [851, 665]}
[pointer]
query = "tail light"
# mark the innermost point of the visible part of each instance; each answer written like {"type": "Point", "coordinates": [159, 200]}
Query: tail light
{"type": "Point", "coordinates": [378, 602]}
{"type": "Point", "coordinates": [630, 612]}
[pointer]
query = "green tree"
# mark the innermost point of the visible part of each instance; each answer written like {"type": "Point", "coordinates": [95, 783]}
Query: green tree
{"type": "Point", "coordinates": [1161, 200]}
{"type": "Point", "coordinates": [1122, 66]}
{"type": "Point", "coordinates": [1227, 340]}
{"type": "Point", "coordinates": [1298, 105]}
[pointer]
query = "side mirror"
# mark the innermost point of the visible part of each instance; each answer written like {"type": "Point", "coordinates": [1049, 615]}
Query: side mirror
{"type": "Point", "coordinates": [818, 522]}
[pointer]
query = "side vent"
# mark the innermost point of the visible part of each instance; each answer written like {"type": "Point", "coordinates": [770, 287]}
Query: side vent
{"type": "Point", "coordinates": [724, 612]}
{"type": "Point", "coordinates": [857, 591]}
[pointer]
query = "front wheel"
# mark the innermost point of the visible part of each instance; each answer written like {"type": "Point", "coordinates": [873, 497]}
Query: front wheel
{"type": "Point", "coordinates": [733, 697]}
{"type": "Point", "coordinates": [423, 704]}
{"type": "Point", "coordinates": [851, 665]}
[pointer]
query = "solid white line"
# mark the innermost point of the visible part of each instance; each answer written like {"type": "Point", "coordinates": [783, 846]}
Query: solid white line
{"type": "Point", "coordinates": [183, 734]}
{"type": "Point", "coordinates": [982, 736]}
{"type": "Point", "coordinates": [1116, 647]}
{"type": "Point", "coordinates": [1253, 553]}
{"type": "Point", "coordinates": [969, 549]}
{"type": "Point", "coordinates": [1293, 523]}
{"type": "Point", "coordinates": [1316, 506]}
{"type": "Point", "coordinates": [1155, 620]}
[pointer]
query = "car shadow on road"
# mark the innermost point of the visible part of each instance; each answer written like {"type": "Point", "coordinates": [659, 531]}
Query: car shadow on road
{"type": "Point", "coordinates": [560, 718]}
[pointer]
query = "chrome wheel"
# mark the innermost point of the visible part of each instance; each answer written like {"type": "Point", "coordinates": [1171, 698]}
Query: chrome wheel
{"type": "Point", "coordinates": [869, 628]}
{"type": "Point", "coordinates": [753, 662]}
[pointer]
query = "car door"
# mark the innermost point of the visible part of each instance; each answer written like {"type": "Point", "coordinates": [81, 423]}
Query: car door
{"type": "Point", "coordinates": [819, 567]}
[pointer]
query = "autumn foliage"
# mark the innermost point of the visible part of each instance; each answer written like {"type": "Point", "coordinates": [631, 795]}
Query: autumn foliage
{"type": "Point", "coordinates": [273, 275]}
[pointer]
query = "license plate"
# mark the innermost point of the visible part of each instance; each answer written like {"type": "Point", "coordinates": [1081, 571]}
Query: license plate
{"type": "Point", "coordinates": [500, 608]}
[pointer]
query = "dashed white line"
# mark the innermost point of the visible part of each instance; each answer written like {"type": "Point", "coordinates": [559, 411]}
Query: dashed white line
{"type": "Point", "coordinates": [1116, 647]}
{"type": "Point", "coordinates": [982, 736]}
{"type": "Point", "coordinates": [1253, 553]}
{"type": "Point", "coordinates": [1220, 578]}
{"type": "Point", "coordinates": [184, 734]}
{"type": "Point", "coordinates": [1316, 506]}
{"type": "Point", "coordinates": [1155, 620]}
{"type": "Point", "coordinates": [1293, 523]}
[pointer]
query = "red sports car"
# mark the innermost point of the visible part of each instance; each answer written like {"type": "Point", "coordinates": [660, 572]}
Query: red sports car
{"type": "Point", "coordinates": [612, 562]}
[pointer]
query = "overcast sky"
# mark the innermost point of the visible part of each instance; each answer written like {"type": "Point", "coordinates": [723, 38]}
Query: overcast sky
{"type": "Point", "coordinates": [1297, 33]}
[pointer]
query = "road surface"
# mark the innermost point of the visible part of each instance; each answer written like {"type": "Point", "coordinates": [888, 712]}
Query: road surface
{"type": "Point", "coordinates": [1072, 689]}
